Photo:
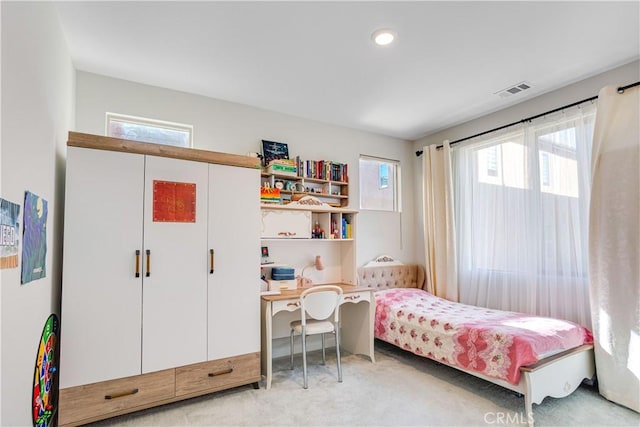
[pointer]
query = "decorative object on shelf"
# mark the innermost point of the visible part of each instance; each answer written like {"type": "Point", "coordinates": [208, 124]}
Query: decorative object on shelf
{"type": "Point", "coordinates": [279, 185]}
{"type": "Point", "coordinates": [295, 186]}
{"type": "Point", "coordinates": [264, 251]}
{"type": "Point", "coordinates": [255, 155]}
{"type": "Point", "coordinates": [282, 167]}
{"type": "Point", "coordinates": [317, 232]}
{"type": "Point", "coordinates": [269, 195]}
{"type": "Point", "coordinates": [304, 282]}
{"type": "Point", "coordinates": [272, 150]}
{"type": "Point", "coordinates": [308, 201]}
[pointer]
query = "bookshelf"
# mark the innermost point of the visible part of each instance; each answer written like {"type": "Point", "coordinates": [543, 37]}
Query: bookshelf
{"type": "Point", "coordinates": [334, 193]}
{"type": "Point", "coordinates": [326, 180]}
{"type": "Point", "coordinates": [289, 233]}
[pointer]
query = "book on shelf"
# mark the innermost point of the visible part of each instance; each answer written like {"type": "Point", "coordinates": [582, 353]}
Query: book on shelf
{"type": "Point", "coordinates": [325, 169]}
{"type": "Point", "coordinates": [300, 166]}
{"type": "Point", "coordinates": [347, 230]}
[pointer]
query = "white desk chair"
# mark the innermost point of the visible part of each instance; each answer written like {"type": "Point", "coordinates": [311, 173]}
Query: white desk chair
{"type": "Point", "coordinates": [318, 303]}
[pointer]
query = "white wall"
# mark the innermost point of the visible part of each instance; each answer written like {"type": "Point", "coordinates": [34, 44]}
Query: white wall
{"type": "Point", "coordinates": [37, 112]}
{"type": "Point", "coordinates": [234, 128]}
{"type": "Point", "coordinates": [626, 74]}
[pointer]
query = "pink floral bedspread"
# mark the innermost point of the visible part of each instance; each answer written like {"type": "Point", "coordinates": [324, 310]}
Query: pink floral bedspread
{"type": "Point", "coordinates": [492, 342]}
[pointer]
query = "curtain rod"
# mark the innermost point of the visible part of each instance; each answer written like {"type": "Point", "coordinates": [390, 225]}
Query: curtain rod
{"type": "Point", "coordinates": [621, 89]}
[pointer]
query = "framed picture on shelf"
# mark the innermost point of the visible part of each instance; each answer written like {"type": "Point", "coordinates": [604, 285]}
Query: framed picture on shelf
{"type": "Point", "coordinates": [264, 251]}
{"type": "Point", "coordinates": [272, 150]}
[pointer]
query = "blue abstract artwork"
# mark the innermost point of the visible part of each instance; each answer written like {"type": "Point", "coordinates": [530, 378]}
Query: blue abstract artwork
{"type": "Point", "coordinates": [34, 239]}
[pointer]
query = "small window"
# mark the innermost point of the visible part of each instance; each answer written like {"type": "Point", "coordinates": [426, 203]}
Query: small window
{"type": "Point", "coordinates": [379, 184]}
{"type": "Point", "coordinates": [149, 130]}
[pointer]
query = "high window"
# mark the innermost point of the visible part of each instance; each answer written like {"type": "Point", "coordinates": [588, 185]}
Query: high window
{"type": "Point", "coordinates": [149, 130]}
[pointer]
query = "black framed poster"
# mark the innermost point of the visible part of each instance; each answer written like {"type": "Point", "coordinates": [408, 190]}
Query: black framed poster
{"type": "Point", "coordinates": [272, 150]}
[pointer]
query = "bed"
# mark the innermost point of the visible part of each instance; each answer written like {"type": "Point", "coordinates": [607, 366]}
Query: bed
{"type": "Point", "coordinates": [534, 356]}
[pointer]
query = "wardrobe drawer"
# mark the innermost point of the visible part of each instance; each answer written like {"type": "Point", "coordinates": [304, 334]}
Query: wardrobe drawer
{"type": "Point", "coordinates": [90, 402]}
{"type": "Point", "coordinates": [218, 374]}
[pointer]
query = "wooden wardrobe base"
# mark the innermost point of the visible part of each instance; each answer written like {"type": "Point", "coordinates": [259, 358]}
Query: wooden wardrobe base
{"type": "Point", "coordinates": [93, 402]}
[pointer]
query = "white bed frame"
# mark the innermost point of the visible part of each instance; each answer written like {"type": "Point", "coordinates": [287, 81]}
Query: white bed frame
{"type": "Point", "coordinates": [555, 376]}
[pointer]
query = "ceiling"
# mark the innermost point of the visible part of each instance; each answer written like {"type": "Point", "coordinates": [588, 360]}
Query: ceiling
{"type": "Point", "coordinates": [316, 59]}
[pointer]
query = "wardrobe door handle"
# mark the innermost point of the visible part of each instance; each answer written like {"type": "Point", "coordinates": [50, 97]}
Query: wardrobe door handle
{"type": "Point", "coordinates": [148, 274]}
{"type": "Point", "coordinates": [121, 394]}
{"type": "Point", "coordinates": [211, 261]}
{"type": "Point", "coordinates": [138, 263]}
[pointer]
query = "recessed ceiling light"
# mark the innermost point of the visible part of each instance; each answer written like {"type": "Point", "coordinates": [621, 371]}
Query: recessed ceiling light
{"type": "Point", "coordinates": [383, 36]}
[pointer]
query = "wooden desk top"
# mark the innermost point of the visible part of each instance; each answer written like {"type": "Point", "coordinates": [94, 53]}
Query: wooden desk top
{"type": "Point", "coordinates": [295, 293]}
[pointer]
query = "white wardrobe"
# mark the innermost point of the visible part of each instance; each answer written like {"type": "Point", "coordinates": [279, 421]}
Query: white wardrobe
{"type": "Point", "coordinates": [160, 297]}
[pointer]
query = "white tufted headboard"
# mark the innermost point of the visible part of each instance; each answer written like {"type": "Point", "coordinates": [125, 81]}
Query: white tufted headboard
{"type": "Point", "coordinates": [379, 277]}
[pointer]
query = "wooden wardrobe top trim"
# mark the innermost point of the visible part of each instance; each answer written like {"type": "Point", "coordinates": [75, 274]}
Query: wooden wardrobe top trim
{"type": "Point", "coordinates": [85, 140]}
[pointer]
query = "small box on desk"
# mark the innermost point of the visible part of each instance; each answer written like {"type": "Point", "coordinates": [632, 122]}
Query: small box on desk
{"type": "Point", "coordinates": [283, 273]}
{"type": "Point", "coordinates": [279, 285]}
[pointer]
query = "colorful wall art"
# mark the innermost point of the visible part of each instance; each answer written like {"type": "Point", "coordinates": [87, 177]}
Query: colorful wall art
{"type": "Point", "coordinates": [9, 233]}
{"type": "Point", "coordinates": [174, 201]}
{"type": "Point", "coordinates": [34, 239]}
{"type": "Point", "coordinates": [44, 398]}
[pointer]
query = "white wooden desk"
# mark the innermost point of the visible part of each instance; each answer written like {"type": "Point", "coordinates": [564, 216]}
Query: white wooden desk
{"type": "Point", "coordinates": [357, 313]}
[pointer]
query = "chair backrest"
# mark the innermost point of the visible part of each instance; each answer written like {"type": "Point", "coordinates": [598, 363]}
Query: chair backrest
{"type": "Point", "coordinates": [319, 302]}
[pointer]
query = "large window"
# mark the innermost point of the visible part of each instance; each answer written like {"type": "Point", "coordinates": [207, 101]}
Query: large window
{"type": "Point", "coordinates": [149, 130]}
{"type": "Point", "coordinates": [521, 201]}
{"type": "Point", "coordinates": [379, 184]}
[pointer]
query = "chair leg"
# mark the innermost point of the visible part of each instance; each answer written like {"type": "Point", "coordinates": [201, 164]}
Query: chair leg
{"type": "Point", "coordinates": [291, 351]}
{"type": "Point", "coordinates": [303, 336]}
{"type": "Point", "coordinates": [337, 332]}
{"type": "Point", "coordinates": [324, 356]}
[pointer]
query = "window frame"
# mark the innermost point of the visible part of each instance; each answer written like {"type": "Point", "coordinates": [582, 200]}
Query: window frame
{"type": "Point", "coordinates": [397, 182]}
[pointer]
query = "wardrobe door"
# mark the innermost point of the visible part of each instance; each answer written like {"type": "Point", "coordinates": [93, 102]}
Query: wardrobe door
{"type": "Point", "coordinates": [101, 295]}
{"type": "Point", "coordinates": [174, 309]}
{"type": "Point", "coordinates": [234, 236]}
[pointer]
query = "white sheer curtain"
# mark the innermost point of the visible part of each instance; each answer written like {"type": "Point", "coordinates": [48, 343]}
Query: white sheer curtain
{"type": "Point", "coordinates": [439, 231]}
{"type": "Point", "coordinates": [521, 209]}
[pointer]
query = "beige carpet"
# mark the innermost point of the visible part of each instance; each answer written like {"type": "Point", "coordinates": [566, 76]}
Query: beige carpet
{"type": "Point", "coordinates": [399, 390]}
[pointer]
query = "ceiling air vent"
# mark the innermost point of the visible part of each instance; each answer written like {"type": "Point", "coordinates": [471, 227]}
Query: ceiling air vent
{"type": "Point", "coordinates": [513, 90]}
